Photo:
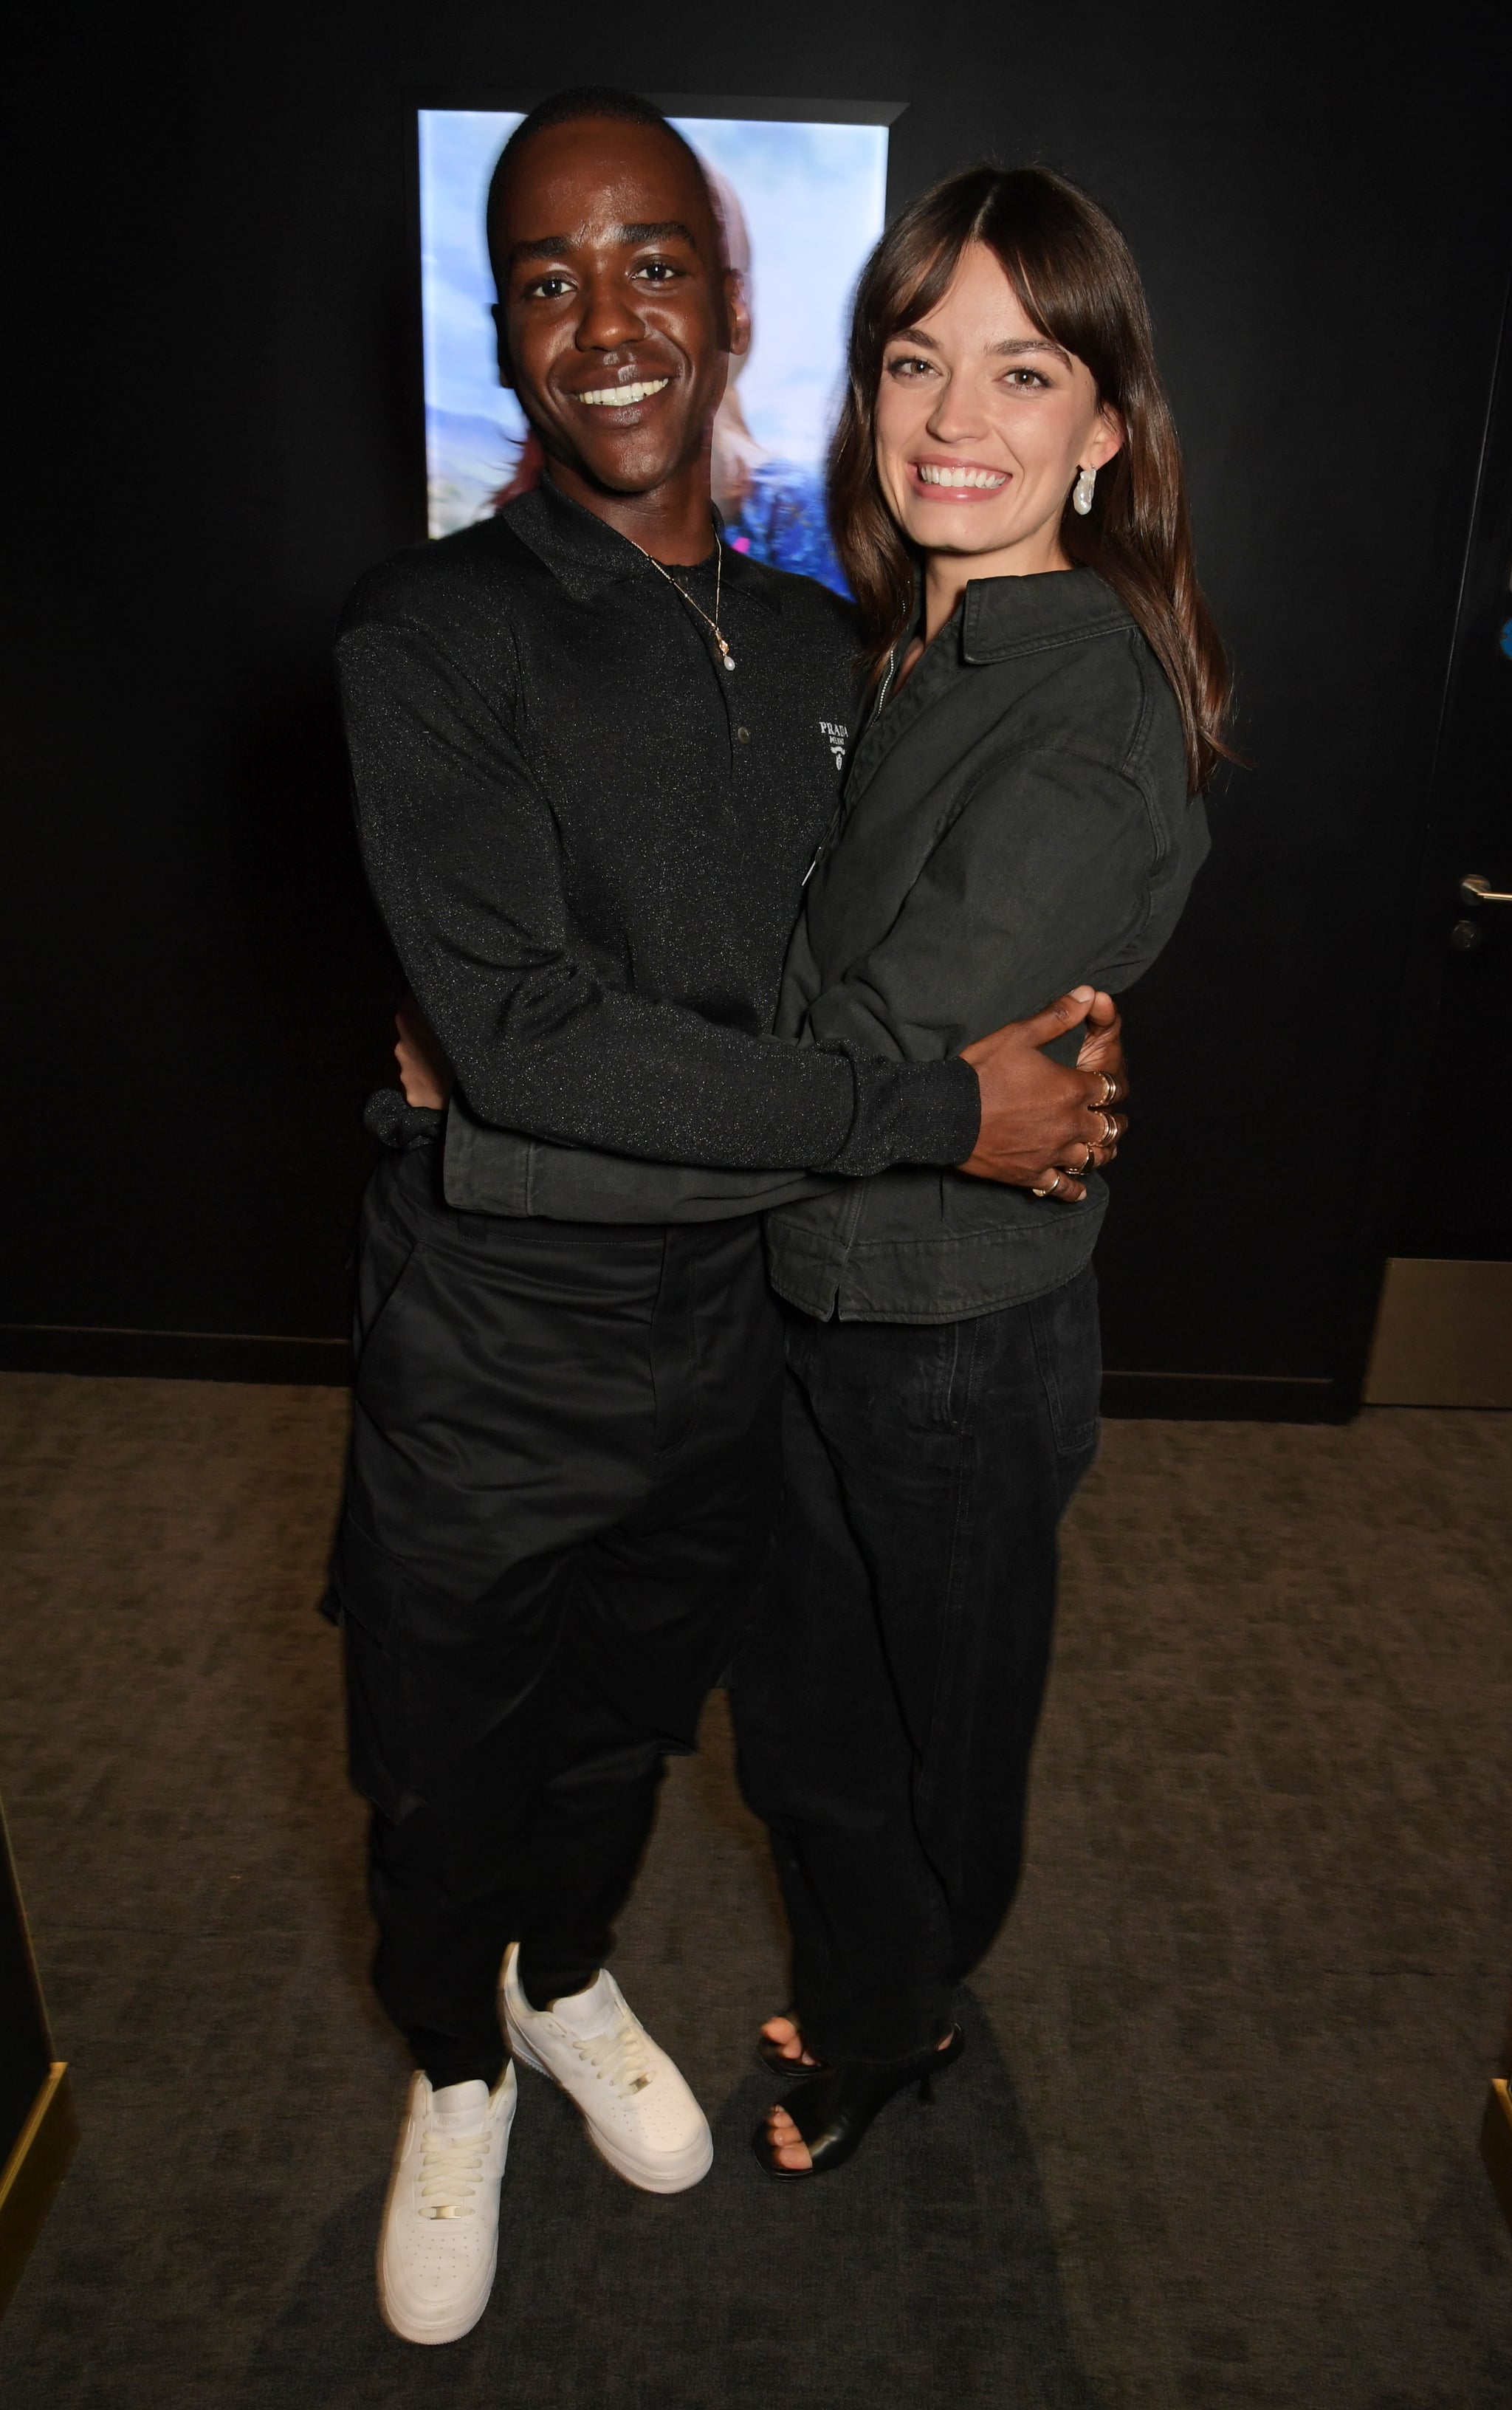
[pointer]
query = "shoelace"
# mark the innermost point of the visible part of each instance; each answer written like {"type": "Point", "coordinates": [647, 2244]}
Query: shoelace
{"type": "Point", "coordinates": [621, 2059]}
{"type": "Point", "coordinates": [451, 2169]}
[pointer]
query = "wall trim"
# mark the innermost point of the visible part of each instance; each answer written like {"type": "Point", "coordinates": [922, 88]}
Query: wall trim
{"type": "Point", "coordinates": [327, 1363]}
{"type": "Point", "coordinates": [1223, 1398]}
{"type": "Point", "coordinates": [175, 1355]}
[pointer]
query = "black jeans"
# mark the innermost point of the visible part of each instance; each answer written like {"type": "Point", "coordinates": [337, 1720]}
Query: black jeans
{"type": "Point", "coordinates": [887, 1699]}
{"type": "Point", "coordinates": [562, 1482]}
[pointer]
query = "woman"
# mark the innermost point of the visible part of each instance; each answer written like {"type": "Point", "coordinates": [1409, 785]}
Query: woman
{"type": "Point", "coordinates": [1020, 811]}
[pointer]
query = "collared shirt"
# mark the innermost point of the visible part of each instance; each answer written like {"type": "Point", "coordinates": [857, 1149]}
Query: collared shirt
{"type": "Point", "coordinates": [1016, 823]}
{"type": "Point", "coordinates": [588, 840]}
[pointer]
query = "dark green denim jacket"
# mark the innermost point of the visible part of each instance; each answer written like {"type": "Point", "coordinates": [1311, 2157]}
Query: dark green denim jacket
{"type": "Point", "coordinates": [1015, 822]}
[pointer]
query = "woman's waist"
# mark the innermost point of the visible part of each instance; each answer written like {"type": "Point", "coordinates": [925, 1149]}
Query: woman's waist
{"type": "Point", "coordinates": [927, 1246]}
{"type": "Point", "coordinates": [916, 1206]}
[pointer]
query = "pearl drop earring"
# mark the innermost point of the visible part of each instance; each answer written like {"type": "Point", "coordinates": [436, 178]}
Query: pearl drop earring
{"type": "Point", "coordinates": [1082, 492]}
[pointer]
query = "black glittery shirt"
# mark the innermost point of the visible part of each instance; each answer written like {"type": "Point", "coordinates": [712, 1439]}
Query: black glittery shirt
{"type": "Point", "coordinates": [588, 841]}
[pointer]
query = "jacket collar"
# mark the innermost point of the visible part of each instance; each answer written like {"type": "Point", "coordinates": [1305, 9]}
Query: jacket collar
{"type": "Point", "coordinates": [1003, 617]}
{"type": "Point", "coordinates": [585, 554]}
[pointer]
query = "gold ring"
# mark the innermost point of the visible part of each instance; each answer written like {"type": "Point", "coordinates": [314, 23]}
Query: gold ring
{"type": "Point", "coordinates": [1110, 1129]}
{"type": "Point", "coordinates": [1110, 1088]}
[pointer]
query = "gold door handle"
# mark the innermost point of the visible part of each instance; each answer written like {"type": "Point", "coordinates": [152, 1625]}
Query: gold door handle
{"type": "Point", "coordinates": [1476, 890]}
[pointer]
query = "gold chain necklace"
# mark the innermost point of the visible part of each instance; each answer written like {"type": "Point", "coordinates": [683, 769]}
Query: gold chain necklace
{"type": "Point", "coordinates": [712, 625]}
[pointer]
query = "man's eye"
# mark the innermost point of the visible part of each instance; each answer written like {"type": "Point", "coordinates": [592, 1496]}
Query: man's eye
{"type": "Point", "coordinates": [659, 271]}
{"type": "Point", "coordinates": [548, 288]}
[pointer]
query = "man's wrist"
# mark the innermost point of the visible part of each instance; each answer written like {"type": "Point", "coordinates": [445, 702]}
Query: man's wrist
{"type": "Point", "coordinates": [942, 1112]}
{"type": "Point", "coordinates": [911, 1113]}
{"type": "Point", "coordinates": [398, 1125]}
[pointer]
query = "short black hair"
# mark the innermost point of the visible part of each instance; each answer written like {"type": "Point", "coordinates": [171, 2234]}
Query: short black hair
{"type": "Point", "coordinates": [580, 101]}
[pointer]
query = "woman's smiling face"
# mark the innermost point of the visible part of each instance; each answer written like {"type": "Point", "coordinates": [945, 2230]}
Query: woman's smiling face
{"type": "Point", "coordinates": [982, 423]}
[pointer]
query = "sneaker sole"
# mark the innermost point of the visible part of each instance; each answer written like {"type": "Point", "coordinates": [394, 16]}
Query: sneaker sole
{"type": "Point", "coordinates": [413, 2330]}
{"type": "Point", "coordinates": [669, 2178]}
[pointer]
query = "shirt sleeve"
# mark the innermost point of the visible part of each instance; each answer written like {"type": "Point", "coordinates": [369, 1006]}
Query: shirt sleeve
{"type": "Point", "coordinates": [461, 851]}
{"type": "Point", "coordinates": [1040, 883]}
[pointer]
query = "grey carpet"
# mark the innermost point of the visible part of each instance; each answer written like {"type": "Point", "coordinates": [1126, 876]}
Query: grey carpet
{"type": "Point", "coordinates": [1214, 2143]}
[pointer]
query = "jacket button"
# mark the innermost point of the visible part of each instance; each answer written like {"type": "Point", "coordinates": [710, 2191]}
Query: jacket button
{"type": "Point", "coordinates": [742, 735]}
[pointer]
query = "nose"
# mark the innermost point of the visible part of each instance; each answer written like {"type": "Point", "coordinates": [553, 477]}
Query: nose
{"type": "Point", "coordinates": [958, 416]}
{"type": "Point", "coordinates": [608, 318]}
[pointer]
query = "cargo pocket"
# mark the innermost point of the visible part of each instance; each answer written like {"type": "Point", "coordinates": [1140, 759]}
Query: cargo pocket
{"type": "Point", "coordinates": [386, 1262]}
{"type": "Point", "coordinates": [367, 1592]}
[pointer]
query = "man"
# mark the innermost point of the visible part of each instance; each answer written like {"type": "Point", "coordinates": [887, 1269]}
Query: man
{"type": "Point", "coordinates": [592, 760]}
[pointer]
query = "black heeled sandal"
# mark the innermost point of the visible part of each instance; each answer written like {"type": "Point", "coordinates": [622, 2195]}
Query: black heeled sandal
{"type": "Point", "coordinates": [771, 2054]}
{"type": "Point", "coordinates": [834, 2111]}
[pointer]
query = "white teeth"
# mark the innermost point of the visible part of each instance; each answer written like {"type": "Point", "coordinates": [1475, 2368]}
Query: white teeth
{"type": "Point", "coordinates": [620, 396]}
{"type": "Point", "coordinates": [933, 476]}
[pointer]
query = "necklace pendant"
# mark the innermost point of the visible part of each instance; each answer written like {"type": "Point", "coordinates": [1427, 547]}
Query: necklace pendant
{"type": "Point", "coordinates": [729, 661]}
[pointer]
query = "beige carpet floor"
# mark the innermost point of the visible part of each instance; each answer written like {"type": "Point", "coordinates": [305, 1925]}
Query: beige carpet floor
{"type": "Point", "coordinates": [1214, 2143]}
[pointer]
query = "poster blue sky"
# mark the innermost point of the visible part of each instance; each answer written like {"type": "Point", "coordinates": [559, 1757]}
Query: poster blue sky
{"type": "Point", "coordinates": [812, 198]}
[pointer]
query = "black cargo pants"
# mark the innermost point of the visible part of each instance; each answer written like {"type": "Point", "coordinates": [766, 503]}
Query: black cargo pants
{"type": "Point", "coordinates": [562, 1482]}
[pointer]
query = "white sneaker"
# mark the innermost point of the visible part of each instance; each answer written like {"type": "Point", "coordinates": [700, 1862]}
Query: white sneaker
{"type": "Point", "coordinates": [439, 2240]}
{"type": "Point", "coordinates": [641, 2115]}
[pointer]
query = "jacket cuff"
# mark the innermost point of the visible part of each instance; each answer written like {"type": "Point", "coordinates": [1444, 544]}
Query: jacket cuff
{"type": "Point", "coordinates": [396, 1123]}
{"type": "Point", "coordinates": [911, 1113]}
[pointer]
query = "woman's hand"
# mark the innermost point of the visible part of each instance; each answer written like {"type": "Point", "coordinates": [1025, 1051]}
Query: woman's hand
{"type": "Point", "coordinates": [1043, 1124]}
{"type": "Point", "coordinates": [425, 1074]}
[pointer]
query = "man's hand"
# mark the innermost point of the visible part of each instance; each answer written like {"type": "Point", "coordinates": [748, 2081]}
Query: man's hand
{"type": "Point", "coordinates": [1102, 1048]}
{"type": "Point", "coordinates": [1043, 1124]}
{"type": "Point", "coordinates": [425, 1074]}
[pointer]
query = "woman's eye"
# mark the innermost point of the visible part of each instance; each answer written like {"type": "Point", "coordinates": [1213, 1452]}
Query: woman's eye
{"type": "Point", "coordinates": [1020, 380]}
{"type": "Point", "coordinates": [909, 365]}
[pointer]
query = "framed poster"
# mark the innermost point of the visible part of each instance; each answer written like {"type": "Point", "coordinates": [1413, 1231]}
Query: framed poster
{"type": "Point", "coordinates": [802, 189]}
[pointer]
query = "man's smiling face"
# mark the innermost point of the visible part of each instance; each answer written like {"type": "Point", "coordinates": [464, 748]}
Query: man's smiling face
{"type": "Point", "coordinates": [616, 316]}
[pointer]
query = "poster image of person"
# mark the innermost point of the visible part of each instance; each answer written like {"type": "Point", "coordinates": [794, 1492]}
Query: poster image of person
{"type": "Point", "coordinates": [773, 509]}
{"type": "Point", "coordinates": [773, 182]}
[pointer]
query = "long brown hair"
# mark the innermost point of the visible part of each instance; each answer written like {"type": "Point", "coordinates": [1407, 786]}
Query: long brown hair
{"type": "Point", "coordinates": [1075, 275]}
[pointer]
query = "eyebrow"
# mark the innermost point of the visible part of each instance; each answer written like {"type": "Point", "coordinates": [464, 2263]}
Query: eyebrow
{"type": "Point", "coordinates": [658, 230]}
{"type": "Point", "coordinates": [550, 246]}
{"type": "Point", "coordinates": [1011, 348]}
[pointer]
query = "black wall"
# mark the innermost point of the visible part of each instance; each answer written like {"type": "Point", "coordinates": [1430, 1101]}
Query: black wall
{"type": "Point", "coordinates": [221, 428]}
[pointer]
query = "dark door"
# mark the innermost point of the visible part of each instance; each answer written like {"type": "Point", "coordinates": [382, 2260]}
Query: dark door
{"type": "Point", "coordinates": [1445, 1334]}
